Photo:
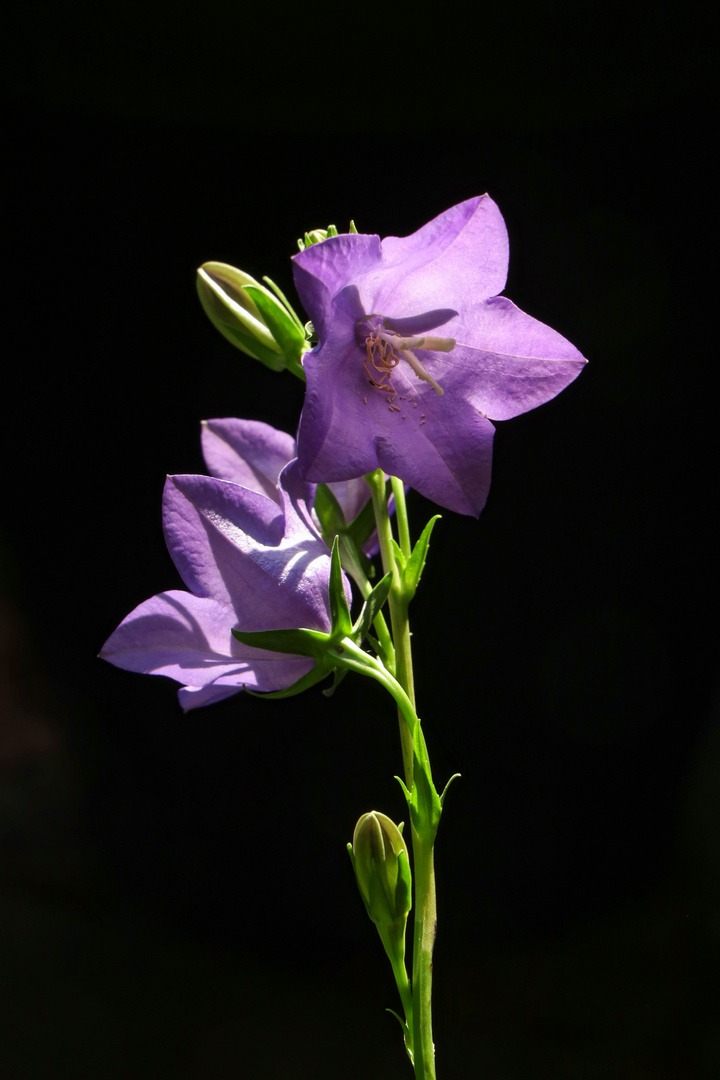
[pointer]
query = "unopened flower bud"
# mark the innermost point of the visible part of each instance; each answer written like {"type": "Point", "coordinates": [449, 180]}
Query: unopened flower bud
{"type": "Point", "coordinates": [253, 318]}
{"type": "Point", "coordinates": [382, 869]}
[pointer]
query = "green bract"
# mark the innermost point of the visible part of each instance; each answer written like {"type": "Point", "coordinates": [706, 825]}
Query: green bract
{"type": "Point", "coordinates": [257, 321]}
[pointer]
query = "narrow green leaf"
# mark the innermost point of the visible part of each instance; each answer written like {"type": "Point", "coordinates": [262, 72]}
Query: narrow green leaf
{"type": "Point", "coordinates": [455, 776]}
{"type": "Point", "coordinates": [338, 676]}
{"type": "Point", "coordinates": [279, 322]}
{"type": "Point", "coordinates": [318, 673]}
{"type": "Point", "coordinates": [339, 610]}
{"type": "Point", "coordinates": [399, 557]}
{"type": "Point", "coordinates": [281, 295]}
{"type": "Point", "coordinates": [371, 608]}
{"type": "Point", "coordinates": [329, 511]}
{"type": "Point", "coordinates": [416, 562]}
{"type": "Point", "coordinates": [296, 642]}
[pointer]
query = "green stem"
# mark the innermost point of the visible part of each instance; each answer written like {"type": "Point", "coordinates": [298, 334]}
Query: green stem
{"type": "Point", "coordinates": [425, 915]}
{"type": "Point", "coordinates": [398, 611]}
{"type": "Point", "coordinates": [423, 942]}
{"type": "Point", "coordinates": [352, 565]}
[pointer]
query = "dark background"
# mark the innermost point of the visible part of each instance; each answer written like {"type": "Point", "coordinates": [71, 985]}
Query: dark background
{"type": "Point", "coordinates": [175, 897]}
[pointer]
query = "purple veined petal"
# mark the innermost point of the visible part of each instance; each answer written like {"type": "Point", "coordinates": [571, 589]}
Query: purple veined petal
{"type": "Point", "coordinates": [229, 543]}
{"type": "Point", "coordinates": [247, 452]}
{"type": "Point", "coordinates": [336, 437]}
{"type": "Point", "coordinates": [508, 361]}
{"type": "Point", "coordinates": [458, 258]}
{"type": "Point", "coordinates": [322, 270]}
{"type": "Point", "coordinates": [189, 639]}
{"type": "Point", "coordinates": [441, 446]}
{"type": "Point", "coordinates": [446, 457]}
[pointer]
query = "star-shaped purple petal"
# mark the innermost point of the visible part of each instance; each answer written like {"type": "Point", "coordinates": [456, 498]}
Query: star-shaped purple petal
{"type": "Point", "coordinates": [250, 562]}
{"type": "Point", "coordinates": [376, 398]}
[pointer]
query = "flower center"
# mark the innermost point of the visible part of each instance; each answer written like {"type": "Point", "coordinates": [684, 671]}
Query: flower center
{"type": "Point", "coordinates": [386, 349]}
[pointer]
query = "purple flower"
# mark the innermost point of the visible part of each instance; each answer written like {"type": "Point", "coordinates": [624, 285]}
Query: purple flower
{"type": "Point", "coordinates": [418, 353]}
{"type": "Point", "coordinates": [254, 454]}
{"type": "Point", "coordinates": [251, 562]}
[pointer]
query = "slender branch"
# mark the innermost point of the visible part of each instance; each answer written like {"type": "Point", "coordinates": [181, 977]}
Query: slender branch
{"type": "Point", "coordinates": [398, 611]}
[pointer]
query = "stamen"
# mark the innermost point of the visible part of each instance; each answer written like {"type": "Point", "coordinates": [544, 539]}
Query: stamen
{"type": "Point", "coordinates": [385, 349]}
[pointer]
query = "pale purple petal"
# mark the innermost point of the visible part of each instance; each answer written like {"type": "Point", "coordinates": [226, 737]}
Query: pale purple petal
{"type": "Point", "coordinates": [512, 362]}
{"type": "Point", "coordinates": [441, 446]}
{"type": "Point", "coordinates": [322, 270]}
{"type": "Point", "coordinates": [189, 639]}
{"type": "Point", "coordinates": [458, 258]}
{"type": "Point", "coordinates": [247, 452]}
{"type": "Point", "coordinates": [367, 403]}
{"type": "Point", "coordinates": [237, 546]}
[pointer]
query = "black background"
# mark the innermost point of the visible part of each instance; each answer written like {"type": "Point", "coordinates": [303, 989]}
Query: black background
{"type": "Point", "coordinates": [175, 897]}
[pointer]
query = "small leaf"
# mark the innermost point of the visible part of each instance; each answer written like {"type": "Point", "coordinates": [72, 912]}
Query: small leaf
{"type": "Point", "coordinates": [279, 322]}
{"type": "Point", "coordinates": [296, 642]}
{"type": "Point", "coordinates": [371, 608]}
{"type": "Point", "coordinates": [399, 557]}
{"type": "Point", "coordinates": [281, 295]}
{"type": "Point", "coordinates": [416, 562]}
{"type": "Point", "coordinates": [318, 673]}
{"type": "Point", "coordinates": [339, 610]}
{"type": "Point", "coordinates": [329, 512]}
{"type": "Point", "coordinates": [455, 776]}
{"type": "Point", "coordinates": [338, 676]}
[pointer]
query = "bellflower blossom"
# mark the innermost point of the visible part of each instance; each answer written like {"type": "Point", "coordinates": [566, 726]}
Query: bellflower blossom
{"type": "Point", "coordinates": [253, 454]}
{"type": "Point", "coordinates": [251, 561]}
{"type": "Point", "coordinates": [418, 353]}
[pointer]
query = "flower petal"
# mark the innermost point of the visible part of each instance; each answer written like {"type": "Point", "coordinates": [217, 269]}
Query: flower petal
{"type": "Point", "coordinates": [189, 639]}
{"type": "Point", "coordinates": [322, 270]}
{"type": "Point", "coordinates": [265, 562]}
{"type": "Point", "coordinates": [509, 361]}
{"type": "Point", "coordinates": [247, 452]}
{"type": "Point", "coordinates": [458, 258]}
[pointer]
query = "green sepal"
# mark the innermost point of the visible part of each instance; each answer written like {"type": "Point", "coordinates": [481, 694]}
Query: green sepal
{"type": "Point", "coordinates": [423, 801]}
{"type": "Point", "coordinates": [415, 564]}
{"type": "Point", "coordinates": [455, 776]}
{"type": "Point", "coordinates": [371, 609]}
{"type": "Point", "coordinates": [329, 512]}
{"type": "Point", "coordinates": [399, 557]}
{"type": "Point", "coordinates": [407, 1034]}
{"type": "Point", "coordinates": [318, 673]}
{"type": "Point", "coordinates": [297, 642]}
{"type": "Point", "coordinates": [288, 334]}
{"type": "Point", "coordinates": [338, 676]}
{"type": "Point", "coordinates": [339, 611]}
{"type": "Point", "coordinates": [283, 298]}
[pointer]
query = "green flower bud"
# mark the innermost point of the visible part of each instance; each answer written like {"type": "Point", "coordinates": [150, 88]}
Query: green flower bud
{"type": "Point", "coordinates": [259, 322]}
{"type": "Point", "coordinates": [382, 869]}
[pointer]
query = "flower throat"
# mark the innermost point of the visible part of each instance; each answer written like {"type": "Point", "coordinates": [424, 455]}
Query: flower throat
{"type": "Point", "coordinates": [386, 349]}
